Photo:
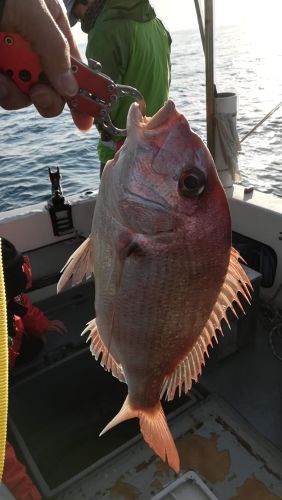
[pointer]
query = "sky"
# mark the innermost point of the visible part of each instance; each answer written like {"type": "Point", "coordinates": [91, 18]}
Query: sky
{"type": "Point", "coordinates": [257, 15]}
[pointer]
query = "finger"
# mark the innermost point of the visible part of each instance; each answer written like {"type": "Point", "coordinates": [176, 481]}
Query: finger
{"type": "Point", "coordinates": [82, 121]}
{"type": "Point", "coordinates": [36, 21]}
{"type": "Point", "coordinates": [45, 26]}
{"type": "Point", "coordinates": [47, 102]}
{"type": "Point", "coordinates": [10, 96]}
{"type": "Point", "coordinates": [55, 329]}
{"type": "Point", "coordinates": [58, 322]}
{"type": "Point", "coordinates": [58, 330]}
{"type": "Point", "coordinates": [64, 25]}
{"type": "Point", "coordinates": [55, 58]}
{"type": "Point", "coordinates": [58, 326]}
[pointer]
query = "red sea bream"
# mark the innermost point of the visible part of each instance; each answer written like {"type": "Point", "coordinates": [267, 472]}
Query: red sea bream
{"type": "Point", "coordinates": [165, 270]}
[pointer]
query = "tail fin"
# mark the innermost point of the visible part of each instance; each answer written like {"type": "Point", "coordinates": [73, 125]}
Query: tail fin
{"type": "Point", "coordinates": [154, 428]}
{"type": "Point", "coordinates": [80, 264]}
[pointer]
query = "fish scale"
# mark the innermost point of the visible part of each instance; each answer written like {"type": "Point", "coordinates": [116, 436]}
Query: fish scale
{"type": "Point", "coordinates": [165, 271]}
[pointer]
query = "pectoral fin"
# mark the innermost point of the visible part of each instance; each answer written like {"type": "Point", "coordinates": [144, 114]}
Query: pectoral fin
{"type": "Point", "coordinates": [80, 264]}
{"type": "Point", "coordinates": [189, 369]}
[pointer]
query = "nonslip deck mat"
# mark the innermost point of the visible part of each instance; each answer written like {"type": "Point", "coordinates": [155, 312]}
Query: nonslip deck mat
{"type": "Point", "coordinates": [229, 456]}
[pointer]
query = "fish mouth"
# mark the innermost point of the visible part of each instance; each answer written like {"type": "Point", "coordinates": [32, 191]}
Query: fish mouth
{"type": "Point", "coordinates": [162, 116]}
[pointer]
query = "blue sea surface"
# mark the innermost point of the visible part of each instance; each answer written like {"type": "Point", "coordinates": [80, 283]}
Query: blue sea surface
{"type": "Point", "coordinates": [244, 64]}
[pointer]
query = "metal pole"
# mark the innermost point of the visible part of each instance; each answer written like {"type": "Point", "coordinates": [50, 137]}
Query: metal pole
{"type": "Point", "coordinates": [261, 121]}
{"type": "Point", "coordinates": [210, 87]}
{"type": "Point", "coordinates": [200, 21]}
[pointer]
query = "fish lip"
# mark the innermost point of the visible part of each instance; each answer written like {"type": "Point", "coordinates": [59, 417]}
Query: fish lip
{"type": "Point", "coordinates": [136, 197]}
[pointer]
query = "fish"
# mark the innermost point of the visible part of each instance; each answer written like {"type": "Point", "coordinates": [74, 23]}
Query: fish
{"type": "Point", "coordinates": [165, 270]}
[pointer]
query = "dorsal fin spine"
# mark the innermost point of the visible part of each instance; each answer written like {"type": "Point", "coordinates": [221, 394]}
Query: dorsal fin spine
{"type": "Point", "coordinates": [236, 282]}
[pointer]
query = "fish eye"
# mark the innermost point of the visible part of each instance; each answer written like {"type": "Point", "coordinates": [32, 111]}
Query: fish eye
{"type": "Point", "coordinates": [192, 183]}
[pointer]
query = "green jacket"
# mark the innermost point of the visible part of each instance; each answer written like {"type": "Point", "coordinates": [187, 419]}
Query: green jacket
{"type": "Point", "coordinates": [133, 47]}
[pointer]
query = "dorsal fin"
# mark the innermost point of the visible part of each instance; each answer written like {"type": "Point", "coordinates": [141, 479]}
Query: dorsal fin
{"type": "Point", "coordinates": [189, 369]}
{"type": "Point", "coordinates": [98, 347]}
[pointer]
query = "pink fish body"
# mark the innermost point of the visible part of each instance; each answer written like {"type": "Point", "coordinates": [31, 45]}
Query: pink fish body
{"type": "Point", "coordinates": [165, 271]}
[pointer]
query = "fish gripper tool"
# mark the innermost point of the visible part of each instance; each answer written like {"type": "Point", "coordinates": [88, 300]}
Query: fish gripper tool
{"type": "Point", "coordinates": [97, 92]}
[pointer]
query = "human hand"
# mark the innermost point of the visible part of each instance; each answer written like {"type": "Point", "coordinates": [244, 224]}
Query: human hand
{"type": "Point", "coordinates": [55, 325]}
{"type": "Point", "coordinates": [44, 24]}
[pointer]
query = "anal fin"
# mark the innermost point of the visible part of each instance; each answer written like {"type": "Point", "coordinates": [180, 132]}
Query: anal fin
{"type": "Point", "coordinates": [190, 368]}
{"type": "Point", "coordinates": [97, 347]}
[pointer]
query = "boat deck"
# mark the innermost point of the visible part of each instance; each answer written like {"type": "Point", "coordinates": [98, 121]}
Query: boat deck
{"type": "Point", "coordinates": [61, 400]}
{"type": "Point", "coordinates": [249, 380]}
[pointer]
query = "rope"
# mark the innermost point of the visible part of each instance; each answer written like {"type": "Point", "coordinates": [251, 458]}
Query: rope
{"type": "Point", "coordinates": [4, 360]}
{"type": "Point", "coordinates": [229, 142]}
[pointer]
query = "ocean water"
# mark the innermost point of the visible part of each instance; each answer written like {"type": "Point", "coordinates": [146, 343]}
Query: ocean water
{"type": "Point", "coordinates": [246, 63]}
